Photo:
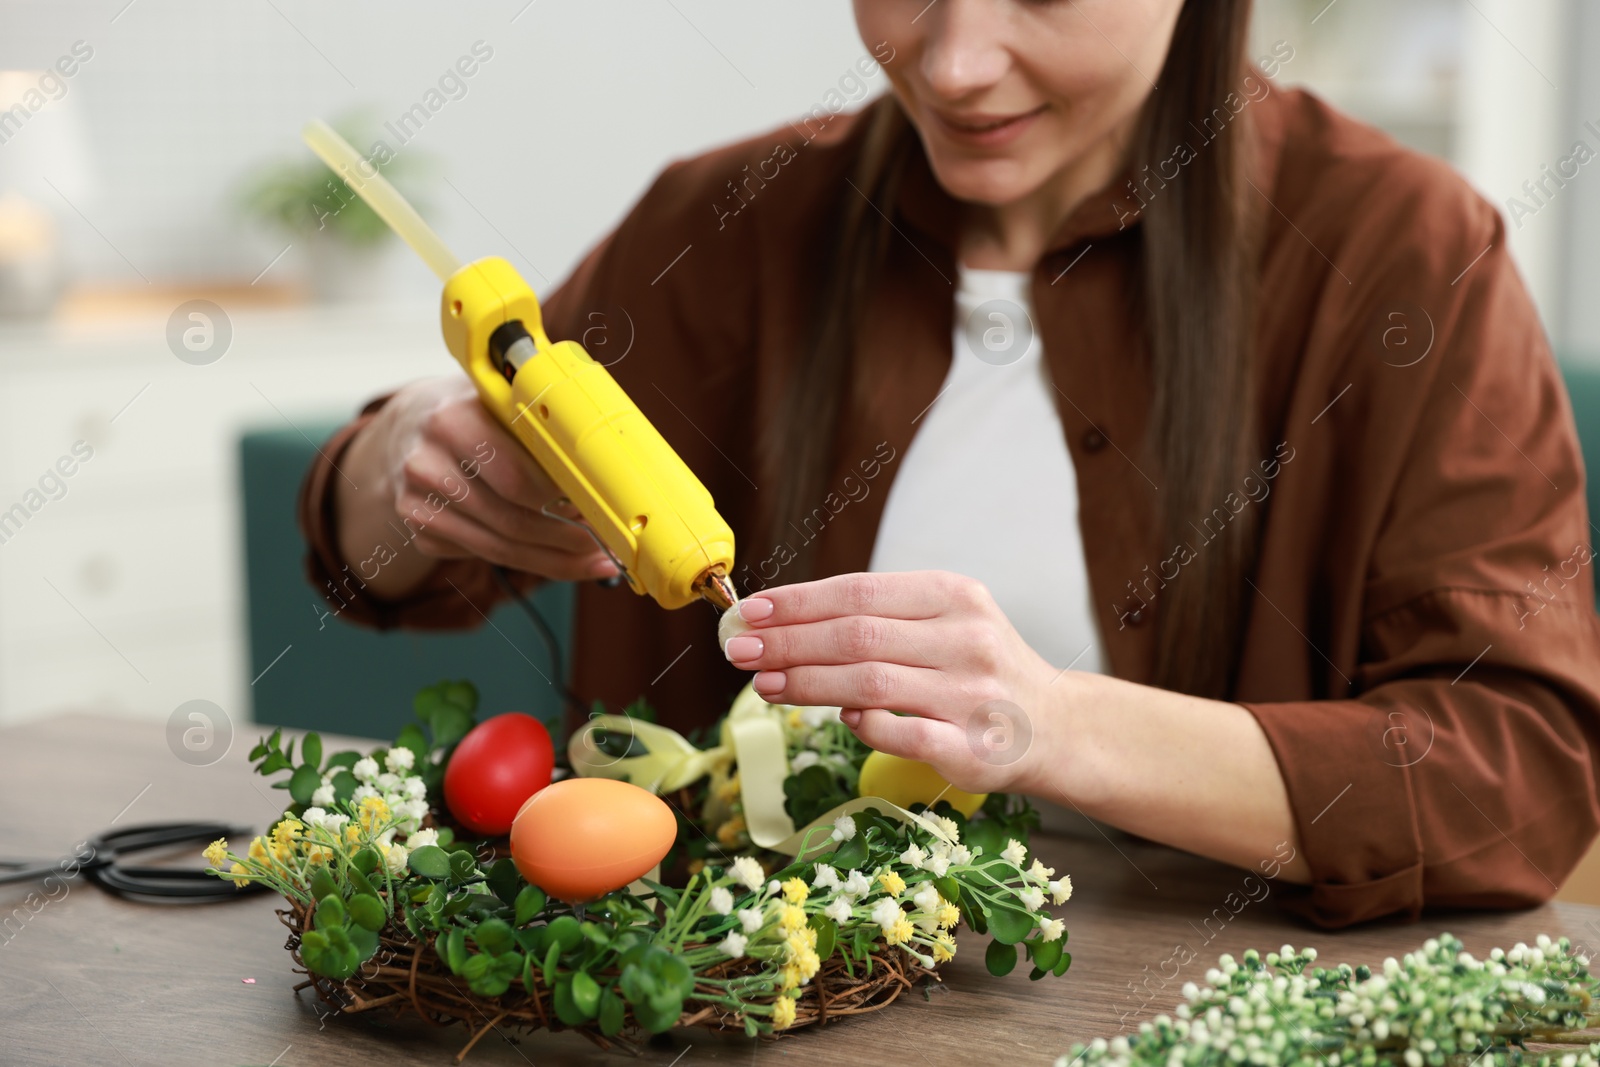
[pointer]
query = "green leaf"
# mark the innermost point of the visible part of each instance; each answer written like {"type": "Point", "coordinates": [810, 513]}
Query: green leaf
{"type": "Point", "coordinates": [363, 942]}
{"type": "Point", "coordinates": [429, 861]}
{"type": "Point", "coordinates": [450, 725]}
{"type": "Point", "coordinates": [567, 1009]}
{"type": "Point", "coordinates": [367, 860]}
{"type": "Point", "coordinates": [1009, 924]}
{"type": "Point", "coordinates": [612, 1013]}
{"type": "Point", "coordinates": [361, 883]}
{"type": "Point", "coordinates": [552, 958]}
{"type": "Point", "coordinates": [322, 883]}
{"type": "Point", "coordinates": [305, 781]}
{"type": "Point", "coordinates": [344, 786]}
{"type": "Point", "coordinates": [330, 912]}
{"type": "Point", "coordinates": [1000, 958]}
{"type": "Point", "coordinates": [412, 737]}
{"type": "Point", "coordinates": [1062, 964]}
{"type": "Point", "coordinates": [1045, 953]}
{"type": "Point", "coordinates": [345, 758]}
{"type": "Point", "coordinates": [567, 933]}
{"type": "Point", "coordinates": [494, 936]}
{"type": "Point", "coordinates": [258, 751]}
{"type": "Point", "coordinates": [311, 750]}
{"type": "Point", "coordinates": [851, 853]}
{"type": "Point", "coordinates": [503, 880]}
{"type": "Point", "coordinates": [948, 888]}
{"type": "Point", "coordinates": [476, 967]}
{"type": "Point", "coordinates": [530, 902]}
{"type": "Point", "coordinates": [463, 864]}
{"type": "Point", "coordinates": [827, 934]}
{"type": "Point", "coordinates": [585, 994]}
{"type": "Point", "coordinates": [455, 949]}
{"type": "Point", "coordinates": [275, 762]}
{"type": "Point", "coordinates": [368, 911]}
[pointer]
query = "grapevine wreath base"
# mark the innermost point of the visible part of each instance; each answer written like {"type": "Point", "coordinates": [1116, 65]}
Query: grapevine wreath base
{"type": "Point", "coordinates": [406, 975]}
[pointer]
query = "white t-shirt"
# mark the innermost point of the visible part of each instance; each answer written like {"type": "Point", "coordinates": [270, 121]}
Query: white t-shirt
{"type": "Point", "coordinates": [987, 487]}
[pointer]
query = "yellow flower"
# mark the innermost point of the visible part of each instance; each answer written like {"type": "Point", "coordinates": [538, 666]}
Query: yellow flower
{"type": "Point", "coordinates": [901, 932]}
{"type": "Point", "coordinates": [943, 949]}
{"type": "Point", "coordinates": [696, 866]}
{"type": "Point", "coordinates": [217, 852]}
{"type": "Point", "coordinates": [796, 720]}
{"type": "Point", "coordinates": [948, 915]}
{"type": "Point", "coordinates": [795, 891]}
{"type": "Point", "coordinates": [792, 920]}
{"type": "Point", "coordinates": [374, 813]}
{"type": "Point", "coordinates": [892, 883]}
{"type": "Point", "coordinates": [237, 870]}
{"type": "Point", "coordinates": [792, 976]}
{"type": "Point", "coordinates": [809, 963]}
{"type": "Point", "coordinates": [729, 790]}
{"type": "Point", "coordinates": [258, 850]}
{"type": "Point", "coordinates": [319, 853]}
{"type": "Point", "coordinates": [728, 833]}
{"type": "Point", "coordinates": [282, 851]}
{"type": "Point", "coordinates": [352, 835]}
{"type": "Point", "coordinates": [783, 1013]}
{"type": "Point", "coordinates": [287, 832]}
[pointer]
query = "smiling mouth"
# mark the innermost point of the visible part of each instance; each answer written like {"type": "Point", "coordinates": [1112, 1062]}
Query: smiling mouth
{"type": "Point", "coordinates": [987, 124]}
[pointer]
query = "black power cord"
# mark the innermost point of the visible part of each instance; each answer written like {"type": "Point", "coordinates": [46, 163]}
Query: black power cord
{"type": "Point", "coordinates": [547, 636]}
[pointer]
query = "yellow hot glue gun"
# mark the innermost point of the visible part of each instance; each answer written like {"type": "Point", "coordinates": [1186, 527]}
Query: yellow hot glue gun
{"type": "Point", "coordinates": [639, 500]}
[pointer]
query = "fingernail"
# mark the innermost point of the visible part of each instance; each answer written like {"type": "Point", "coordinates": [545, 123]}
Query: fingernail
{"type": "Point", "coordinates": [769, 682]}
{"type": "Point", "coordinates": [851, 717]}
{"type": "Point", "coordinates": [745, 648]}
{"type": "Point", "coordinates": [755, 609]}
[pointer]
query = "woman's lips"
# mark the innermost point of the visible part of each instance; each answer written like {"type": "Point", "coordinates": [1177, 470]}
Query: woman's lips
{"type": "Point", "coordinates": [986, 130]}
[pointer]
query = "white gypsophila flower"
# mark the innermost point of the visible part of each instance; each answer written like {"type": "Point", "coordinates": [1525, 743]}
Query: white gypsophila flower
{"type": "Point", "coordinates": [1032, 897]}
{"type": "Point", "coordinates": [1040, 873]}
{"type": "Point", "coordinates": [386, 838]}
{"type": "Point", "coordinates": [721, 900]}
{"type": "Point", "coordinates": [826, 877]}
{"type": "Point", "coordinates": [914, 856]}
{"type": "Point", "coordinates": [1014, 852]}
{"type": "Point", "coordinates": [361, 793]}
{"type": "Point", "coordinates": [948, 825]}
{"type": "Point", "coordinates": [387, 782]}
{"type": "Point", "coordinates": [838, 910]}
{"type": "Point", "coordinates": [960, 855]}
{"type": "Point", "coordinates": [414, 788]}
{"type": "Point", "coordinates": [314, 816]}
{"type": "Point", "coordinates": [804, 759]}
{"type": "Point", "coordinates": [750, 919]}
{"type": "Point", "coordinates": [844, 828]}
{"type": "Point", "coordinates": [1061, 889]}
{"type": "Point", "coordinates": [815, 717]}
{"type": "Point", "coordinates": [886, 913]}
{"type": "Point", "coordinates": [938, 866]}
{"type": "Point", "coordinates": [400, 759]}
{"type": "Point", "coordinates": [857, 884]}
{"type": "Point", "coordinates": [733, 945]}
{"type": "Point", "coordinates": [395, 859]}
{"type": "Point", "coordinates": [334, 821]}
{"type": "Point", "coordinates": [747, 872]}
{"type": "Point", "coordinates": [419, 838]}
{"type": "Point", "coordinates": [322, 796]}
{"type": "Point", "coordinates": [926, 898]}
{"type": "Point", "coordinates": [366, 769]}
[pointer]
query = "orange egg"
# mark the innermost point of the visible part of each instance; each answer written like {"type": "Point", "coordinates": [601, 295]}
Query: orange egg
{"type": "Point", "coordinates": [581, 838]}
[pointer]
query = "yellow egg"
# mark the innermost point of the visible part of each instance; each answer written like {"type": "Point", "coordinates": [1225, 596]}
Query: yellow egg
{"type": "Point", "coordinates": [581, 838]}
{"type": "Point", "coordinates": [906, 782]}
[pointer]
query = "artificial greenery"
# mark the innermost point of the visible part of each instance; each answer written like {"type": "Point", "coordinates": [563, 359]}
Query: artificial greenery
{"type": "Point", "coordinates": [353, 853]}
{"type": "Point", "coordinates": [1438, 1007]}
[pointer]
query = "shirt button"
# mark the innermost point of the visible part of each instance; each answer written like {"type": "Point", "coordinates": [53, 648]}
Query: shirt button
{"type": "Point", "coordinates": [1093, 441]}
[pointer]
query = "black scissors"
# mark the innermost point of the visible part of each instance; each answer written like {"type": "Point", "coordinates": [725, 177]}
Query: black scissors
{"type": "Point", "coordinates": [99, 860]}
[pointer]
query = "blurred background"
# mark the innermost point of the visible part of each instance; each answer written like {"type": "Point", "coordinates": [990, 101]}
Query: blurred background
{"type": "Point", "coordinates": [179, 332]}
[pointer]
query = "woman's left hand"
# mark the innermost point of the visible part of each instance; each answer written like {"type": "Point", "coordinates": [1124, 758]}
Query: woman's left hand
{"type": "Point", "coordinates": [931, 644]}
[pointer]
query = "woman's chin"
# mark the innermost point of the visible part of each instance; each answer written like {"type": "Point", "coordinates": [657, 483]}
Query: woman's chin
{"type": "Point", "coordinates": [991, 182]}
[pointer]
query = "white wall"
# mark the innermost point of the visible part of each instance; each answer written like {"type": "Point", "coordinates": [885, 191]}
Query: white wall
{"type": "Point", "coordinates": [580, 105]}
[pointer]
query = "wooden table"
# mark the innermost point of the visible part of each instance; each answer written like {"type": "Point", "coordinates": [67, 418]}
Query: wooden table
{"type": "Point", "coordinates": [89, 979]}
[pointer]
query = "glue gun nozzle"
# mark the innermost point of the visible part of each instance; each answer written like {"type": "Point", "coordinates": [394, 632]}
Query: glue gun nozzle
{"type": "Point", "coordinates": [717, 588]}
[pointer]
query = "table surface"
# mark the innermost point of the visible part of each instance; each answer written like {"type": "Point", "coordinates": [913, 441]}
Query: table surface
{"type": "Point", "coordinates": [88, 978]}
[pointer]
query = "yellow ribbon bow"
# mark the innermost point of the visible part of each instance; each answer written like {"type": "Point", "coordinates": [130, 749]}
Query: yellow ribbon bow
{"type": "Point", "coordinates": [751, 744]}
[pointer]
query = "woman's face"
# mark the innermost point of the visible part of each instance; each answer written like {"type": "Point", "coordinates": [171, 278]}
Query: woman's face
{"type": "Point", "coordinates": [1010, 95]}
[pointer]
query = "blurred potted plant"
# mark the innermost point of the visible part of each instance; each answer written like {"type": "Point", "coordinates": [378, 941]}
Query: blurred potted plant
{"type": "Point", "coordinates": [345, 241]}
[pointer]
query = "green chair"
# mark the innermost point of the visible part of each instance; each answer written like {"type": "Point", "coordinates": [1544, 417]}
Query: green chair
{"type": "Point", "coordinates": [323, 673]}
{"type": "Point", "coordinates": [1583, 385]}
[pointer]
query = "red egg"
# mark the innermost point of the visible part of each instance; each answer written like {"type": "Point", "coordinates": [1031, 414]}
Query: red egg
{"type": "Point", "coordinates": [584, 837]}
{"type": "Point", "coordinates": [496, 767]}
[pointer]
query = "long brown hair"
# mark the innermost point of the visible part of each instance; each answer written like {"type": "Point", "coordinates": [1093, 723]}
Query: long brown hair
{"type": "Point", "coordinates": [1197, 296]}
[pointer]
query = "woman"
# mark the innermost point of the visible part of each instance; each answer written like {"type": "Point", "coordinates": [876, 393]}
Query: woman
{"type": "Point", "coordinates": [1246, 514]}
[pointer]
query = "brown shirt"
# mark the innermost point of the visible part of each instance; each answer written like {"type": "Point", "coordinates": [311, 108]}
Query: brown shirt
{"type": "Point", "coordinates": [1421, 648]}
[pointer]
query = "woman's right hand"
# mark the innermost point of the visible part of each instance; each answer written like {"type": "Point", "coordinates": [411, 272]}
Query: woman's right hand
{"type": "Point", "coordinates": [435, 476]}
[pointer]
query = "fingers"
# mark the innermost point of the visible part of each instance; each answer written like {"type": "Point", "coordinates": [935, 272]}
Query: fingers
{"type": "Point", "coordinates": [464, 428]}
{"type": "Point", "coordinates": [908, 595]}
{"type": "Point", "coordinates": [860, 685]}
{"type": "Point", "coordinates": [452, 535]}
{"type": "Point", "coordinates": [431, 473]}
{"type": "Point", "coordinates": [911, 736]}
{"type": "Point", "coordinates": [852, 639]}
